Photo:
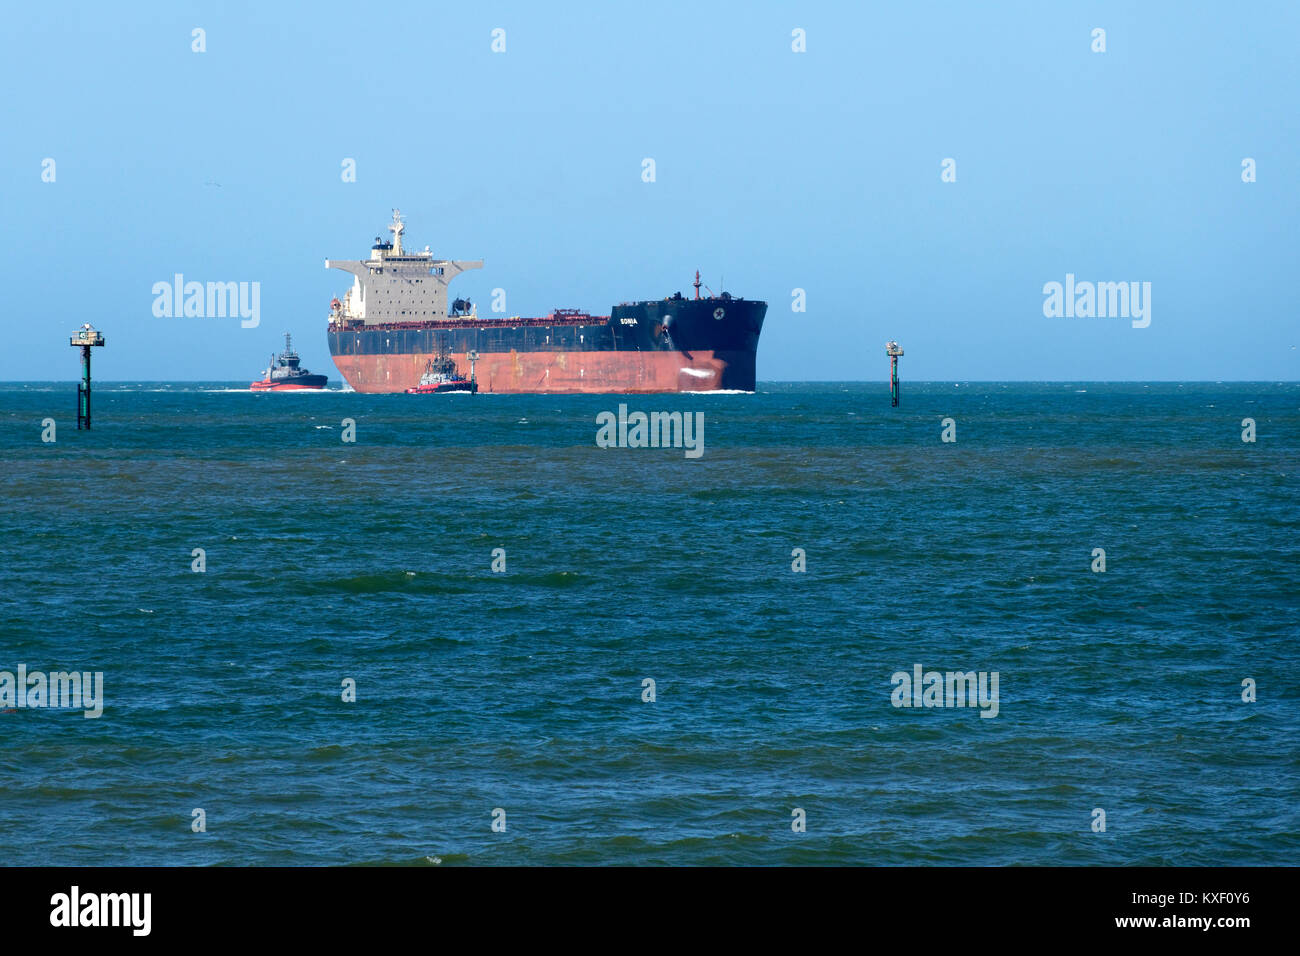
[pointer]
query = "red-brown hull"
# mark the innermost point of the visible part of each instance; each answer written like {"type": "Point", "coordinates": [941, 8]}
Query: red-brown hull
{"type": "Point", "coordinates": [572, 372]}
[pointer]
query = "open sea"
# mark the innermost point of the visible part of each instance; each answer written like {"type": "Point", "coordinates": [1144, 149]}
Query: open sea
{"type": "Point", "coordinates": [519, 696]}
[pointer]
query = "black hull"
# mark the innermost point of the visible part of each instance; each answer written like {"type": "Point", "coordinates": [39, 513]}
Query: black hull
{"type": "Point", "coordinates": [292, 383]}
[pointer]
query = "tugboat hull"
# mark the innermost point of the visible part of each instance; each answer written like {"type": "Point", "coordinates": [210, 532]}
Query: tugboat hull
{"type": "Point", "coordinates": [305, 383]}
{"type": "Point", "coordinates": [444, 387]}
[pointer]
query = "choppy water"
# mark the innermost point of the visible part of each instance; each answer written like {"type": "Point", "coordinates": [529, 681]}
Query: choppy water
{"type": "Point", "coordinates": [523, 690]}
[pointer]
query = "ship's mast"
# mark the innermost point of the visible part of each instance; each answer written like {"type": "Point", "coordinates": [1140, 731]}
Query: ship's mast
{"type": "Point", "coordinates": [396, 227]}
{"type": "Point", "coordinates": [697, 283]}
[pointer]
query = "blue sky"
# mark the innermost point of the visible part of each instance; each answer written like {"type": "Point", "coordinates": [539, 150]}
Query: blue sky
{"type": "Point", "coordinates": [776, 170]}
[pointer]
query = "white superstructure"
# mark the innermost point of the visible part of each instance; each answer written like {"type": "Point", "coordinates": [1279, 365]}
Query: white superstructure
{"type": "Point", "coordinates": [396, 286]}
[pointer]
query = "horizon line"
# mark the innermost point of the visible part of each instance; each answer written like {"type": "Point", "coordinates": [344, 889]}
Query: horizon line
{"type": "Point", "coordinates": [774, 381]}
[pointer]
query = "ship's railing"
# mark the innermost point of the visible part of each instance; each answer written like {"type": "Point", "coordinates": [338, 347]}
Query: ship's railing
{"type": "Point", "coordinates": [560, 317]}
{"type": "Point", "coordinates": [687, 298]}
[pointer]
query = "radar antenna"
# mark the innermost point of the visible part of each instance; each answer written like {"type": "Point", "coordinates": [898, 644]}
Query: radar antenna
{"type": "Point", "coordinates": [396, 227]}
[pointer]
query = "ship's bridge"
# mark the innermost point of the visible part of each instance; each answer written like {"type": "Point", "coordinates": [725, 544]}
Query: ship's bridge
{"type": "Point", "coordinates": [397, 286]}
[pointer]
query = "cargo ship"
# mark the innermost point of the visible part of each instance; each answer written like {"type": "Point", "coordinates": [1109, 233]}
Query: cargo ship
{"type": "Point", "coordinates": [396, 319]}
{"type": "Point", "coordinates": [285, 374]}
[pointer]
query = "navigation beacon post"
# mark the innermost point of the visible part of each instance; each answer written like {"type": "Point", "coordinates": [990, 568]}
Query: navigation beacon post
{"type": "Point", "coordinates": [893, 351]}
{"type": "Point", "coordinates": [85, 338]}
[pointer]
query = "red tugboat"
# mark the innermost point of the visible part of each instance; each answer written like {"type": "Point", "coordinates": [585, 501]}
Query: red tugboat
{"type": "Point", "coordinates": [441, 375]}
{"type": "Point", "coordinates": [284, 375]}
